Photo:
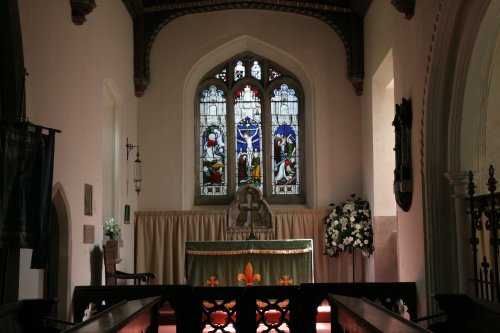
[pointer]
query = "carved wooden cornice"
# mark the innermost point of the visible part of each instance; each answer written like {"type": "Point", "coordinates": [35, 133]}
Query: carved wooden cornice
{"type": "Point", "coordinates": [346, 21]}
{"type": "Point", "coordinates": [80, 9]}
{"type": "Point", "coordinates": [406, 7]}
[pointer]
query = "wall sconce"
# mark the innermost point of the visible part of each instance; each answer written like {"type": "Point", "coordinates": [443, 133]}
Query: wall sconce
{"type": "Point", "coordinates": [137, 167]}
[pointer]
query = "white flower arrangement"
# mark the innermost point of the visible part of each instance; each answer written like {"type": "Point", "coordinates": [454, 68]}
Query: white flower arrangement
{"type": "Point", "coordinates": [111, 228]}
{"type": "Point", "coordinates": [348, 227]}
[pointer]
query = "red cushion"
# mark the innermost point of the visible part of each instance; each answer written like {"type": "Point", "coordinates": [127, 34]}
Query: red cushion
{"type": "Point", "coordinates": [220, 317]}
{"type": "Point", "coordinates": [166, 316]}
{"type": "Point", "coordinates": [323, 315]}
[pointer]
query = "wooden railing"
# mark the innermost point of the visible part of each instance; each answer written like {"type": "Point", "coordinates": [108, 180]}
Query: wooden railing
{"type": "Point", "coordinates": [245, 308]}
{"type": "Point", "coordinates": [467, 314]}
{"type": "Point", "coordinates": [352, 314]}
{"type": "Point", "coordinates": [125, 317]}
{"type": "Point", "coordinates": [484, 211]}
{"type": "Point", "coordinates": [25, 316]}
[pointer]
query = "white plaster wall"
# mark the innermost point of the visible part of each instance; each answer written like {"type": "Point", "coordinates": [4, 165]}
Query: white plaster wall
{"type": "Point", "coordinates": [191, 45]}
{"type": "Point", "coordinates": [31, 279]}
{"type": "Point", "coordinates": [410, 40]}
{"type": "Point", "coordinates": [67, 67]}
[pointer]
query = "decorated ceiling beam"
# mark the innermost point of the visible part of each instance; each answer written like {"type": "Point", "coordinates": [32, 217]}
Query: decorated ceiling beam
{"type": "Point", "coordinates": [80, 9]}
{"type": "Point", "coordinates": [344, 17]}
{"type": "Point", "coordinates": [406, 7]}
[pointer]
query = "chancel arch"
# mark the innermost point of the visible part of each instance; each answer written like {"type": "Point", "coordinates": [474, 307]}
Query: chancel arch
{"type": "Point", "coordinates": [480, 101]}
{"type": "Point", "coordinates": [454, 109]}
{"type": "Point", "coordinates": [475, 146]}
{"type": "Point", "coordinates": [346, 22]}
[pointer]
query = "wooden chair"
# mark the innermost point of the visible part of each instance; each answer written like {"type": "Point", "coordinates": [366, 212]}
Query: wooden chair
{"type": "Point", "coordinates": [112, 274]}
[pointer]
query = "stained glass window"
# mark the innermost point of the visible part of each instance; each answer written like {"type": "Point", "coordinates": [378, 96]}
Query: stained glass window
{"type": "Point", "coordinates": [239, 71]}
{"type": "Point", "coordinates": [285, 127]}
{"type": "Point", "coordinates": [250, 132]}
{"type": "Point", "coordinates": [273, 74]}
{"type": "Point", "coordinates": [256, 73]}
{"type": "Point", "coordinates": [247, 119]}
{"type": "Point", "coordinates": [213, 133]}
{"type": "Point", "coordinates": [222, 75]}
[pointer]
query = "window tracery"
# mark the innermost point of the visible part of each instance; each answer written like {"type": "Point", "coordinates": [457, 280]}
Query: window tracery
{"type": "Point", "coordinates": [250, 121]}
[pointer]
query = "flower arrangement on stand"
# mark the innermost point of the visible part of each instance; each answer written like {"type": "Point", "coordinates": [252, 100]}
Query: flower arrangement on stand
{"type": "Point", "coordinates": [111, 228]}
{"type": "Point", "coordinates": [349, 227]}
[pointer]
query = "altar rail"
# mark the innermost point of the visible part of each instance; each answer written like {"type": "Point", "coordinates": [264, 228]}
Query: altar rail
{"type": "Point", "coordinates": [246, 307]}
{"type": "Point", "coordinates": [467, 314]}
{"type": "Point", "coordinates": [484, 240]}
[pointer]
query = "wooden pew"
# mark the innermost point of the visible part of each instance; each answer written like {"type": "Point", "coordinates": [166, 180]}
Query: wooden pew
{"type": "Point", "coordinates": [359, 315]}
{"type": "Point", "coordinates": [25, 316]}
{"type": "Point", "coordinates": [180, 298]}
{"type": "Point", "coordinates": [301, 301]}
{"type": "Point", "coordinates": [125, 317]}
{"type": "Point", "coordinates": [467, 314]}
{"type": "Point", "coordinates": [312, 294]}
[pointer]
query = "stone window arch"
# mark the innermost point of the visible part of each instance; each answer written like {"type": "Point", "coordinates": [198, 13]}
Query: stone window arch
{"type": "Point", "coordinates": [250, 130]}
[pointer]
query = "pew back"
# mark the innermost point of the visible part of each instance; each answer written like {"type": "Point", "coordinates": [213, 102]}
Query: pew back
{"type": "Point", "coordinates": [25, 316]}
{"type": "Point", "coordinates": [126, 317]}
{"type": "Point", "coordinates": [359, 315]}
{"type": "Point", "coordinates": [468, 314]}
{"type": "Point", "coordinates": [296, 306]}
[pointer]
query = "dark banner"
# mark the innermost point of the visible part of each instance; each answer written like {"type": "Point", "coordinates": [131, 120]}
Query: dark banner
{"type": "Point", "coordinates": [26, 165]}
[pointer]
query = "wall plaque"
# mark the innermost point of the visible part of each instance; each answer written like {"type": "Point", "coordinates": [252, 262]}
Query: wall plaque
{"type": "Point", "coordinates": [403, 180]}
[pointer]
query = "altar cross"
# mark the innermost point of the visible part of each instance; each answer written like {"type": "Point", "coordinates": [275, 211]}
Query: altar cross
{"type": "Point", "coordinates": [249, 207]}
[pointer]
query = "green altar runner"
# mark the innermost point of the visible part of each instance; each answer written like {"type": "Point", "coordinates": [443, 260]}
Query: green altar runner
{"type": "Point", "coordinates": [249, 262]}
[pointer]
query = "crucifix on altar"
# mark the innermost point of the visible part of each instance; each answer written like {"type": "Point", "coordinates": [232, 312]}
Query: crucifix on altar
{"type": "Point", "coordinates": [249, 214]}
{"type": "Point", "coordinates": [249, 207]}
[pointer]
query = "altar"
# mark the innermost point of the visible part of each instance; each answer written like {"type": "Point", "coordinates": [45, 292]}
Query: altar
{"type": "Point", "coordinates": [249, 262]}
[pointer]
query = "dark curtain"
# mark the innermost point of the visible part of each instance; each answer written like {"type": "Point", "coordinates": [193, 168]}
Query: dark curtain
{"type": "Point", "coordinates": [26, 165]}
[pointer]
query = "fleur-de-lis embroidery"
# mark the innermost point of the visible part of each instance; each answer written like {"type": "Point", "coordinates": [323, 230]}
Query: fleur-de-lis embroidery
{"type": "Point", "coordinates": [249, 277]}
{"type": "Point", "coordinates": [212, 281]}
{"type": "Point", "coordinates": [286, 280]}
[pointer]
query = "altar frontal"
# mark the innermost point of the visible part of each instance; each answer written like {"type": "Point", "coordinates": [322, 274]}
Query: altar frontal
{"type": "Point", "coordinates": [249, 263]}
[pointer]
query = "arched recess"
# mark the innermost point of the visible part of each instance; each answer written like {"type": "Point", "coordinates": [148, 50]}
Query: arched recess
{"type": "Point", "coordinates": [214, 58]}
{"type": "Point", "coordinates": [111, 138]}
{"type": "Point", "coordinates": [385, 266]}
{"type": "Point", "coordinates": [60, 207]}
{"type": "Point", "coordinates": [444, 177]}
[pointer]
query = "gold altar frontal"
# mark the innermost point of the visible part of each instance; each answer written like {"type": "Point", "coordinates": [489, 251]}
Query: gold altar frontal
{"type": "Point", "coordinates": [249, 263]}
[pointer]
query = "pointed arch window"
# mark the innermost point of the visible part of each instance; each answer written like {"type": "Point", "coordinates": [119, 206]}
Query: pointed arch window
{"type": "Point", "coordinates": [250, 123]}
